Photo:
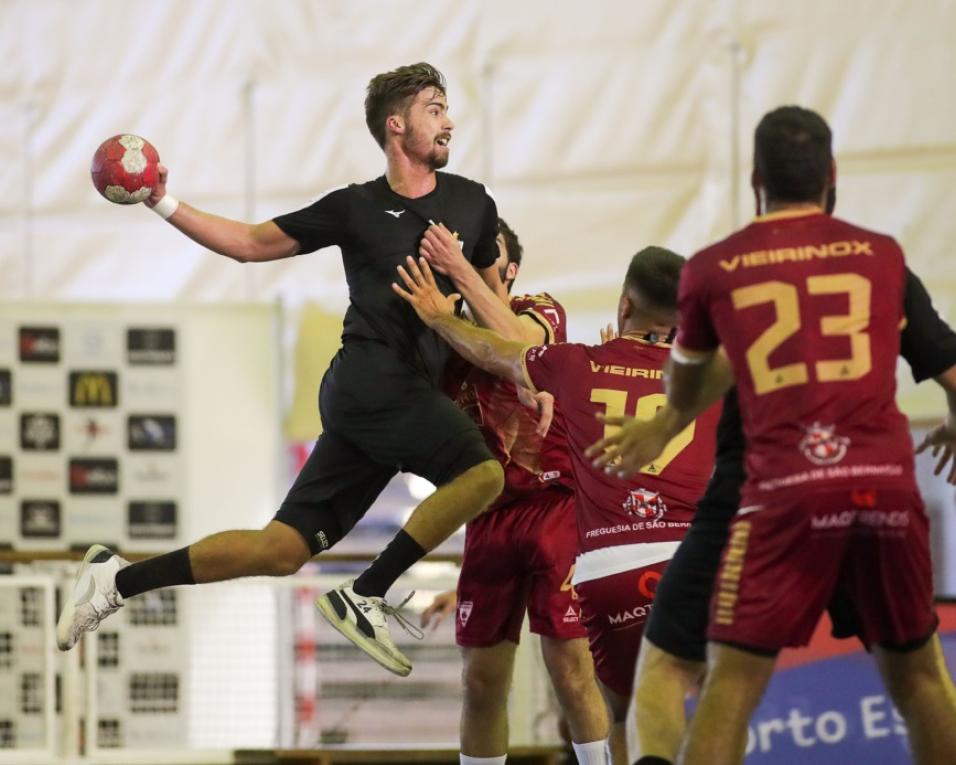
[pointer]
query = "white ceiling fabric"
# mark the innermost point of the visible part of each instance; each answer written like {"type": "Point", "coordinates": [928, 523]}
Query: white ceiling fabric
{"type": "Point", "coordinates": [600, 126]}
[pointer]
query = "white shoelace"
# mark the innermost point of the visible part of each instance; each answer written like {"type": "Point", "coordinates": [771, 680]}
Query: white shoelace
{"type": "Point", "coordinates": [92, 622]}
{"type": "Point", "coordinates": [395, 613]}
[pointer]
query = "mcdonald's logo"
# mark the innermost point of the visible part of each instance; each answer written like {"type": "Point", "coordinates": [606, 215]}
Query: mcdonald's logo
{"type": "Point", "coordinates": [92, 388]}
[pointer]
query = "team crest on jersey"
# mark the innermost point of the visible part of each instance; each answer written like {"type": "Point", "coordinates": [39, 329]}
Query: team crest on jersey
{"type": "Point", "coordinates": [464, 611]}
{"type": "Point", "coordinates": [822, 446]}
{"type": "Point", "coordinates": [645, 504]}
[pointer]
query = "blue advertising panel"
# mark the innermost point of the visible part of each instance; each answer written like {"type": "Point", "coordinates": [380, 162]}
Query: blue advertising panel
{"type": "Point", "coordinates": [826, 706]}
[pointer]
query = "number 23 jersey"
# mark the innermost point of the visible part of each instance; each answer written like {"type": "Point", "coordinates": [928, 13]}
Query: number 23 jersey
{"type": "Point", "coordinates": [623, 376]}
{"type": "Point", "coordinates": [809, 310]}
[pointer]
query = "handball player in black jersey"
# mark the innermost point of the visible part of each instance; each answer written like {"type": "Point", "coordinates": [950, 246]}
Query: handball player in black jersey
{"type": "Point", "coordinates": [381, 407]}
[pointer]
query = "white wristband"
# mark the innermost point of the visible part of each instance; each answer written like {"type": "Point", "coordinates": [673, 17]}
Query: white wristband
{"type": "Point", "coordinates": [166, 206]}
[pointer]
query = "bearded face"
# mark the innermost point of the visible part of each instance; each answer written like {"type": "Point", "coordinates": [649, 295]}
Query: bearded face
{"type": "Point", "coordinates": [428, 129]}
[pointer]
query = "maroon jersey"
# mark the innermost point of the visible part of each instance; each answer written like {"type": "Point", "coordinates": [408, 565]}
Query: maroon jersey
{"type": "Point", "coordinates": [530, 462]}
{"type": "Point", "coordinates": [809, 310]}
{"type": "Point", "coordinates": [623, 377]}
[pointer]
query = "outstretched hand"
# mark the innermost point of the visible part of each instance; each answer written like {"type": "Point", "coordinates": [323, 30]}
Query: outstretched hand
{"type": "Point", "coordinates": [422, 293]}
{"type": "Point", "coordinates": [608, 333]}
{"type": "Point", "coordinates": [633, 445]}
{"type": "Point", "coordinates": [441, 607]}
{"type": "Point", "coordinates": [159, 190]}
{"type": "Point", "coordinates": [942, 440]}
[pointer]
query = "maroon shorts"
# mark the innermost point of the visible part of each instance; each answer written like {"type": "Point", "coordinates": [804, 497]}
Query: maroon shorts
{"type": "Point", "coordinates": [520, 557]}
{"type": "Point", "coordinates": [785, 561]}
{"type": "Point", "coordinates": [615, 609]}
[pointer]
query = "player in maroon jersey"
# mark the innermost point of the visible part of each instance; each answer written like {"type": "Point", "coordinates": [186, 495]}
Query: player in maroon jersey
{"type": "Point", "coordinates": [627, 531]}
{"type": "Point", "coordinates": [808, 309]}
{"type": "Point", "coordinates": [519, 555]}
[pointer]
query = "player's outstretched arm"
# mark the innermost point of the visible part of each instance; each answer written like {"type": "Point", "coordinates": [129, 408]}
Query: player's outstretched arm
{"type": "Point", "coordinates": [942, 439]}
{"type": "Point", "coordinates": [481, 347]}
{"type": "Point", "coordinates": [639, 442]}
{"type": "Point", "coordinates": [243, 242]}
{"type": "Point", "coordinates": [483, 291]}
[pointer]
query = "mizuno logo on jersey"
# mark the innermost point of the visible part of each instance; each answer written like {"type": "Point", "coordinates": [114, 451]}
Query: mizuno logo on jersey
{"type": "Point", "coordinates": [395, 213]}
{"type": "Point", "coordinates": [797, 254]}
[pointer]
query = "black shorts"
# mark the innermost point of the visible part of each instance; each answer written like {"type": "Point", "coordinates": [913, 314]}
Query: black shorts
{"type": "Point", "coordinates": [678, 620]}
{"type": "Point", "coordinates": [380, 416]}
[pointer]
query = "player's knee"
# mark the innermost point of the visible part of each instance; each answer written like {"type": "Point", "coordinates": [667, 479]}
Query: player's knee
{"type": "Point", "coordinates": [484, 683]}
{"type": "Point", "coordinates": [488, 479]}
{"type": "Point", "coordinates": [910, 680]}
{"type": "Point", "coordinates": [572, 675]}
{"type": "Point", "coordinates": [281, 550]}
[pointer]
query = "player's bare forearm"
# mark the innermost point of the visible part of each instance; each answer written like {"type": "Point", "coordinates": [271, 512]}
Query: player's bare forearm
{"type": "Point", "coordinates": [243, 242]}
{"type": "Point", "coordinates": [482, 347]}
{"type": "Point", "coordinates": [685, 384]}
{"type": "Point", "coordinates": [947, 381]}
{"type": "Point", "coordinates": [491, 310]}
{"type": "Point", "coordinates": [716, 377]}
{"type": "Point", "coordinates": [487, 307]}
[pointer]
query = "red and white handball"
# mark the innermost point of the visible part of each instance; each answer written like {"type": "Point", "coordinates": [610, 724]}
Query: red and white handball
{"type": "Point", "coordinates": [125, 169]}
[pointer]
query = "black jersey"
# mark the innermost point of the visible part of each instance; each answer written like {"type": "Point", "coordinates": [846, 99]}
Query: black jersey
{"type": "Point", "coordinates": [928, 345]}
{"type": "Point", "coordinates": [377, 229]}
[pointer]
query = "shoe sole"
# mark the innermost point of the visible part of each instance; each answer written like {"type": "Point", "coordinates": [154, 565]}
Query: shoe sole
{"type": "Point", "coordinates": [65, 621]}
{"type": "Point", "coordinates": [369, 647]}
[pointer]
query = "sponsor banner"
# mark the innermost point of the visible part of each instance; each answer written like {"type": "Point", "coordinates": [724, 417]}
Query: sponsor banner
{"type": "Point", "coordinates": [6, 475]}
{"type": "Point", "coordinates": [40, 431]}
{"type": "Point", "coordinates": [40, 518]}
{"type": "Point", "coordinates": [155, 346]}
{"type": "Point", "coordinates": [151, 432]}
{"type": "Point", "coordinates": [39, 345]}
{"type": "Point", "coordinates": [151, 520]}
{"type": "Point", "coordinates": [6, 387]}
{"type": "Point", "coordinates": [826, 705]}
{"type": "Point", "coordinates": [94, 388]}
{"type": "Point", "coordinates": [94, 475]}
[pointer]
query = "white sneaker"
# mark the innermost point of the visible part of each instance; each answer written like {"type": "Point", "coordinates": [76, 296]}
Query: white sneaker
{"type": "Point", "coordinates": [362, 619]}
{"type": "Point", "coordinates": [93, 598]}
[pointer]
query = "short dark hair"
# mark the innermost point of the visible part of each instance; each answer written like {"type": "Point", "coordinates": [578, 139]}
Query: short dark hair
{"type": "Point", "coordinates": [390, 92]}
{"type": "Point", "coordinates": [512, 246]}
{"type": "Point", "coordinates": [792, 154]}
{"type": "Point", "coordinates": [654, 274]}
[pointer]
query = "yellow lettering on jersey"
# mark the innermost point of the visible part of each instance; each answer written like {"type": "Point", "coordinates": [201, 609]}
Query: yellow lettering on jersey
{"type": "Point", "coordinates": [808, 252]}
{"type": "Point", "coordinates": [616, 369]}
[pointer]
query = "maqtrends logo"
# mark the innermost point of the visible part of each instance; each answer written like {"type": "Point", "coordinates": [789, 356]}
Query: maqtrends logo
{"type": "Point", "coordinates": [630, 617]}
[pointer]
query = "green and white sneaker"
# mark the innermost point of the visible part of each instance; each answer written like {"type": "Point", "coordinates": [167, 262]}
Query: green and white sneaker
{"type": "Point", "coordinates": [93, 598]}
{"type": "Point", "coordinates": [363, 620]}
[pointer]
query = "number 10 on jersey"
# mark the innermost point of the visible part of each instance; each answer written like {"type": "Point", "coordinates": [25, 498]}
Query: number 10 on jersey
{"type": "Point", "coordinates": [616, 405]}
